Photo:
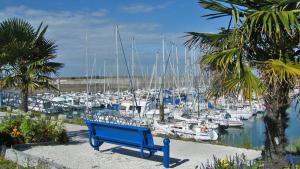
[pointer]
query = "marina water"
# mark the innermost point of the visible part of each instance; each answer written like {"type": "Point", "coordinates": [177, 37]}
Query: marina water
{"type": "Point", "coordinates": [252, 133]}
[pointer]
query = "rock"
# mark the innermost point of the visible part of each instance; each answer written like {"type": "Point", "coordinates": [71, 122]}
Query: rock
{"type": "Point", "coordinates": [2, 150]}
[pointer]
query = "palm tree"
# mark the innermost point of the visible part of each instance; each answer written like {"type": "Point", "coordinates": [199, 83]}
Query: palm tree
{"type": "Point", "coordinates": [257, 53]}
{"type": "Point", "coordinates": [25, 58]}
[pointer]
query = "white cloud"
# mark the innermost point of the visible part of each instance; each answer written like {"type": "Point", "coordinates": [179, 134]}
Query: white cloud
{"type": "Point", "coordinates": [136, 8]}
{"type": "Point", "coordinates": [143, 8]}
{"type": "Point", "coordinates": [68, 29]}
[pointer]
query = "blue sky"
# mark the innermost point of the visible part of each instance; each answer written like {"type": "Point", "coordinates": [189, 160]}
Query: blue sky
{"type": "Point", "coordinates": [148, 21]}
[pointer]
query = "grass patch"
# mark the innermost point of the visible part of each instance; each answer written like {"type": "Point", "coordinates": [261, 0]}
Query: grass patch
{"type": "Point", "coordinates": [76, 120]}
{"type": "Point", "coordinates": [5, 164]}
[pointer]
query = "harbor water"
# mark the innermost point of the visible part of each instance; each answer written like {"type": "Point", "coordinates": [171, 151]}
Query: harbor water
{"type": "Point", "coordinates": [252, 133]}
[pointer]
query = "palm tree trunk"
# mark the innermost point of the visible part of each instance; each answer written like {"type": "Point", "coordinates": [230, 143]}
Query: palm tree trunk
{"type": "Point", "coordinates": [277, 101]}
{"type": "Point", "coordinates": [24, 100]}
{"type": "Point", "coordinates": [161, 113]}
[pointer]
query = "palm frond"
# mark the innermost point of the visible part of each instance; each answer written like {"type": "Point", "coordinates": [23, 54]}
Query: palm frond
{"type": "Point", "coordinates": [220, 60]}
{"type": "Point", "coordinates": [280, 71]}
{"type": "Point", "coordinates": [269, 22]}
{"type": "Point", "coordinates": [246, 83]}
{"type": "Point", "coordinates": [234, 83]}
{"type": "Point", "coordinates": [219, 7]}
{"type": "Point", "coordinates": [196, 39]}
{"type": "Point", "coordinates": [9, 81]}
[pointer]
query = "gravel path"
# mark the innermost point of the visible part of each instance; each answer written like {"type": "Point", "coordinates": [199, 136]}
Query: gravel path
{"type": "Point", "coordinates": [79, 155]}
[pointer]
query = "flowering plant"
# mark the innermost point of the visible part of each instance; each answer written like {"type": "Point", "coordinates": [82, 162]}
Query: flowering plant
{"type": "Point", "coordinates": [15, 132]}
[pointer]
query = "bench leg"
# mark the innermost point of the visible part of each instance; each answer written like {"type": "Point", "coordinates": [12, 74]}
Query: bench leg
{"type": "Point", "coordinates": [97, 142]}
{"type": "Point", "coordinates": [166, 150]}
{"type": "Point", "coordinates": [143, 154]}
{"type": "Point", "coordinates": [151, 153]}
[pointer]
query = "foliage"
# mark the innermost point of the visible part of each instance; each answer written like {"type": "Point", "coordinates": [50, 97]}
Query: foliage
{"type": "Point", "coordinates": [56, 131]}
{"type": "Point", "coordinates": [297, 145]}
{"type": "Point", "coordinates": [34, 130]}
{"type": "Point", "coordinates": [3, 109]}
{"type": "Point", "coordinates": [294, 147]}
{"type": "Point", "coordinates": [8, 164]}
{"type": "Point", "coordinates": [76, 120]}
{"type": "Point", "coordinates": [263, 36]}
{"type": "Point", "coordinates": [29, 130]}
{"type": "Point", "coordinates": [9, 123]}
{"type": "Point", "coordinates": [25, 57]}
{"type": "Point", "coordinates": [258, 53]}
{"type": "Point", "coordinates": [236, 162]}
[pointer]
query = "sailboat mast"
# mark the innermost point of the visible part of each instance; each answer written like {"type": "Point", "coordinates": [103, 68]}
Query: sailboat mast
{"type": "Point", "coordinates": [163, 54]}
{"type": "Point", "coordinates": [87, 75]}
{"type": "Point", "coordinates": [132, 60]}
{"type": "Point", "coordinates": [185, 66]}
{"type": "Point", "coordinates": [117, 55]}
{"type": "Point", "coordinates": [156, 71]}
{"type": "Point", "coordinates": [132, 72]}
{"type": "Point", "coordinates": [177, 62]}
{"type": "Point", "coordinates": [104, 74]}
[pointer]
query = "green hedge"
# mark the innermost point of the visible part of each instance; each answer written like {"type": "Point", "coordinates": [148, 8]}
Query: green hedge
{"type": "Point", "coordinates": [25, 129]}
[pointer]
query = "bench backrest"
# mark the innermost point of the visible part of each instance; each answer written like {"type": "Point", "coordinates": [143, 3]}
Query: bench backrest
{"type": "Point", "coordinates": [122, 134]}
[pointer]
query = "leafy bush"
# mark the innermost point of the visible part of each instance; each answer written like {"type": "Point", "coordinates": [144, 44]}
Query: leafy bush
{"type": "Point", "coordinates": [294, 147]}
{"type": "Point", "coordinates": [297, 146]}
{"type": "Point", "coordinates": [9, 123]}
{"type": "Point", "coordinates": [57, 132]}
{"type": "Point", "coordinates": [76, 120]}
{"type": "Point", "coordinates": [8, 164]}
{"type": "Point", "coordinates": [237, 162]}
{"type": "Point", "coordinates": [33, 130]}
{"type": "Point", "coordinates": [3, 109]}
{"type": "Point", "coordinates": [28, 130]}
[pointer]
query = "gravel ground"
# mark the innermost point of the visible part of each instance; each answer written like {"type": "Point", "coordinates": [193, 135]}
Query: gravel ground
{"type": "Point", "coordinates": [79, 155]}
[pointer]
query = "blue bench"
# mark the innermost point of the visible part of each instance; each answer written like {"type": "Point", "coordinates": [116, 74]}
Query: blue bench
{"type": "Point", "coordinates": [125, 135]}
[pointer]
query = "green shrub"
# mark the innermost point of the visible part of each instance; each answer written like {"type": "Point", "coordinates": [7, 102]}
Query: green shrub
{"type": "Point", "coordinates": [76, 120]}
{"type": "Point", "coordinates": [294, 147]}
{"type": "Point", "coordinates": [41, 125]}
{"type": "Point", "coordinates": [33, 130]}
{"type": "Point", "coordinates": [8, 164]}
{"type": "Point", "coordinates": [297, 146]}
{"type": "Point", "coordinates": [9, 123]}
{"type": "Point", "coordinates": [236, 162]}
{"type": "Point", "coordinates": [28, 130]}
{"type": "Point", "coordinates": [57, 132]}
{"type": "Point", "coordinates": [3, 109]}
